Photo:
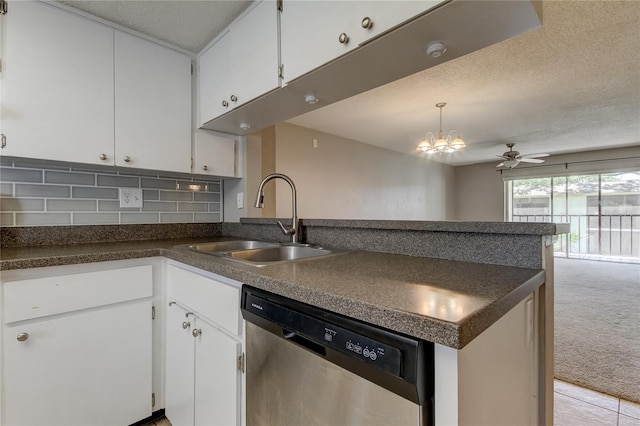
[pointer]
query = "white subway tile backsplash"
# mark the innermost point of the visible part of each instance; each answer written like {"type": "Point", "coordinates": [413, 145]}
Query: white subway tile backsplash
{"type": "Point", "coordinates": [44, 191]}
{"type": "Point", "coordinates": [39, 219]}
{"type": "Point", "coordinates": [96, 218]}
{"type": "Point", "coordinates": [69, 178]}
{"type": "Point", "coordinates": [54, 205]}
{"type": "Point", "coordinates": [36, 194]}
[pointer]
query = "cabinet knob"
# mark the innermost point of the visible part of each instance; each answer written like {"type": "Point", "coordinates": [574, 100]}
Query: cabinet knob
{"type": "Point", "coordinates": [126, 159]}
{"type": "Point", "coordinates": [225, 104]}
{"type": "Point", "coordinates": [186, 325]}
{"type": "Point", "coordinates": [102, 157]}
{"type": "Point", "coordinates": [367, 23]}
{"type": "Point", "coordinates": [343, 38]}
{"type": "Point", "coordinates": [196, 332]}
{"type": "Point", "coordinates": [234, 98]}
{"type": "Point", "coordinates": [205, 168]}
{"type": "Point", "coordinates": [22, 337]}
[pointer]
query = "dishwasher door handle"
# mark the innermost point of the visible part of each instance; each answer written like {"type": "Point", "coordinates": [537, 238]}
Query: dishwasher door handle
{"type": "Point", "coordinates": [304, 342]}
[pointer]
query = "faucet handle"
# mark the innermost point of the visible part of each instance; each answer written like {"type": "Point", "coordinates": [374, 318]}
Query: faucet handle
{"type": "Point", "coordinates": [286, 231]}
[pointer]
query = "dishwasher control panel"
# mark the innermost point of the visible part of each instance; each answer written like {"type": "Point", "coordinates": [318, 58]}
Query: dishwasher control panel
{"type": "Point", "coordinates": [298, 326]}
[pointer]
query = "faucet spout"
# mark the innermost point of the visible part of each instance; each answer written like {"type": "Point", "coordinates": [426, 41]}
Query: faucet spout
{"type": "Point", "coordinates": [294, 230]}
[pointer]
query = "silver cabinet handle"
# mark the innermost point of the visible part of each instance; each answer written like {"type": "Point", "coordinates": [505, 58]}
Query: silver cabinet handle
{"type": "Point", "coordinates": [225, 104]}
{"type": "Point", "coordinates": [102, 157]}
{"type": "Point", "coordinates": [343, 38]}
{"type": "Point", "coordinates": [367, 23]}
{"type": "Point", "coordinates": [186, 325]}
{"type": "Point", "coordinates": [126, 159]}
{"type": "Point", "coordinates": [196, 332]}
{"type": "Point", "coordinates": [234, 98]}
{"type": "Point", "coordinates": [22, 337]}
{"type": "Point", "coordinates": [205, 168]}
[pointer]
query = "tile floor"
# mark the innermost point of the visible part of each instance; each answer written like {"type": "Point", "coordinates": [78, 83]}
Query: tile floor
{"type": "Point", "coordinates": [576, 406]}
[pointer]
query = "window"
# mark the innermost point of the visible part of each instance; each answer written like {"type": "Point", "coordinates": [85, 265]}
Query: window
{"type": "Point", "coordinates": [602, 209]}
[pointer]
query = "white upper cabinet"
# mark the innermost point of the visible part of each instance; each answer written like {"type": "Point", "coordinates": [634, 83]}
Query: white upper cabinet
{"type": "Point", "coordinates": [242, 65]}
{"type": "Point", "coordinates": [339, 27]}
{"type": "Point", "coordinates": [214, 155]}
{"type": "Point", "coordinates": [152, 105]}
{"type": "Point", "coordinates": [57, 85]}
{"type": "Point", "coordinates": [79, 91]}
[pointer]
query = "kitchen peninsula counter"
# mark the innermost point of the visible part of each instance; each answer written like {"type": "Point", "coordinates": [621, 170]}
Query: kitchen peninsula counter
{"type": "Point", "coordinates": [445, 301]}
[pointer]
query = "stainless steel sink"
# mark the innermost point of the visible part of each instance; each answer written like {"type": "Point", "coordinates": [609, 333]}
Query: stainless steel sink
{"type": "Point", "coordinates": [278, 254]}
{"type": "Point", "coordinates": [219, 247]}
{"type": "Point", "coordinates": [259, 253]}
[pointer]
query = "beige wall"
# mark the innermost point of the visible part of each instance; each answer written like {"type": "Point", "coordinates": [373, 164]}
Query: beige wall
{"type": "Point", "coordinates": [345, 179]}
{"type": "Point", "coordinates": [479, 188]}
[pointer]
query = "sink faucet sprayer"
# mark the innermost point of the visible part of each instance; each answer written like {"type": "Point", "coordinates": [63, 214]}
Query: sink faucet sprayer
{"type": "Point", "coordinates": [294, 231]}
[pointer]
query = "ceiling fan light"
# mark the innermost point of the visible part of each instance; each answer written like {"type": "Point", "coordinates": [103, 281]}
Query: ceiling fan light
{"type": "Point", "coordinates": [510, 164]}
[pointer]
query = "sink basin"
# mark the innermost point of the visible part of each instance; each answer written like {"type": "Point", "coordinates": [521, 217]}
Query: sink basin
{"type": "Point", "coordinates": [278, 254]}
{"type": "Point", "coordinates": [218, 247]}
{"type": "Point", "coordinates": [258, 253]}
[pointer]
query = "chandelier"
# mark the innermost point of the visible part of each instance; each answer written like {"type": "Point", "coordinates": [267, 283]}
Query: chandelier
{"type": "Point", "coordinates": [431, 145]}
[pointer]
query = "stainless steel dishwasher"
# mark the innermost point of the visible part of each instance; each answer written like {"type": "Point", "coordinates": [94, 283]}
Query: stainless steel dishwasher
{"type": "Point", "coordinates": [307, 366]}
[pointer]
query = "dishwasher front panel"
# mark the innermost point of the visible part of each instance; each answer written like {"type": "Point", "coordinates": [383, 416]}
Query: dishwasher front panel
{"type": "Point", "coordinates": [291, 386]}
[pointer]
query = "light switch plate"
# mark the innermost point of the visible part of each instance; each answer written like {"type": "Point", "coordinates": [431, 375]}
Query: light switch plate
{"type": "Point", "coordinates": [130, 197]}
{"type": "Point", "coordinates": [240, 200]}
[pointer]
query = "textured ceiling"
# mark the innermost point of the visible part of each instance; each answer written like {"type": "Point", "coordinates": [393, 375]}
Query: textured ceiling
{"type": "Point", "coordinates": [573, 85]}
{"type": "Point", "coordinates": [189, 24]}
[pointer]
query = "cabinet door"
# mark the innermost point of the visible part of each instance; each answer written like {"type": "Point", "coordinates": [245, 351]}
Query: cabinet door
{"type": "Point", "coordinates": [57, 85]}
{"type": "Point", "coordinates": [254, 53]}
{"type": "Point", "coordinates": [305, 47]}
{"type": "Point", "coordinates": [180, 367]}
{"type": "Point", "coordinates": [86, 368]}
{"type": "Point", "coordinates": [214, 77]}
{"type": "Point", "coordinates": [214, 155]}
{"type": "Point", "coordinates": [242, 65]}
{"type": "Point", "coordinates": [152, 105]}
{"type": "Point", "coordinates": [217, 380]}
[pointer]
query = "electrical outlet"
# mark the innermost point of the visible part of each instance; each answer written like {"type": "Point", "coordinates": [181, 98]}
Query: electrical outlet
{"type": "Point", "coordinates": [130, 197]}
{"type": "Point", "coordinates": [240, 200]}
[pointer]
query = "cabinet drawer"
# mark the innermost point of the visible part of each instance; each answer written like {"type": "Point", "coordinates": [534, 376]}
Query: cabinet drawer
{"type": "Point", "coordinates": [39, 297]}
{"type": "Point", "coordinates": [215, 301]}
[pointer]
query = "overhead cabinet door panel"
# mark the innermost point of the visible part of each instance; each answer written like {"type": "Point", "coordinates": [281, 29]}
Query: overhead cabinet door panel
{"type": "Point", "coordinates": [57, 85]}
{"type": "Point", "coordinates": [152, 104]}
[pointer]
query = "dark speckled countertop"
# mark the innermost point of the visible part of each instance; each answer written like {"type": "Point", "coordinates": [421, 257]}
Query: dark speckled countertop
{"type": "Point", "coordinates": [444, 301]}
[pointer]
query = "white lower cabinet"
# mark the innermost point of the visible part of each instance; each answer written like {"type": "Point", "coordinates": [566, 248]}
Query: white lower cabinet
{"type": "Point", "coordinates": [77, 349]}
{"type": "Point", "coordinates": [204, 350]}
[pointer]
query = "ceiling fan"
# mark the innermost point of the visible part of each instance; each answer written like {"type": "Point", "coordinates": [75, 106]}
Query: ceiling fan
{"type": "Point", "coordinates": [513, 158]}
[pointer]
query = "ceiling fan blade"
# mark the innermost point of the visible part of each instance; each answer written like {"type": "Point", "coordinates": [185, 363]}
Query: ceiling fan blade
{"type": "Point", "coordinates": [500, 165]}
{"type": "Point", "coordinates": [535, 155]}
{"type": "Point", "coordinates": [531, 160]}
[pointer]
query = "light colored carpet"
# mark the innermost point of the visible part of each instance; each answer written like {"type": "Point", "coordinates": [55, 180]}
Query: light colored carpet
{"type": "Point", "coordinates": [597, 326]}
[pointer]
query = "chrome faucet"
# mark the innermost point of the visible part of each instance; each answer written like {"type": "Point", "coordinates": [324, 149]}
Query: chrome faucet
{"type": "Point", "coordinates": [294, 231]}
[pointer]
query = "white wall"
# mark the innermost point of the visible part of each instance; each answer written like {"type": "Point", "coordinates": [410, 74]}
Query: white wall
{"type": "Point", "coordinates": [345, 179]}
